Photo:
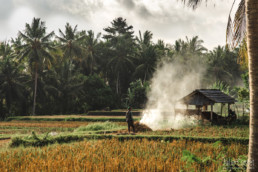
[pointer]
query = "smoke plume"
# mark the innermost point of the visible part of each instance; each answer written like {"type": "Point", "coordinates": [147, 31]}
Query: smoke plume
{"type": "Point", "coordinates": [171, 82]}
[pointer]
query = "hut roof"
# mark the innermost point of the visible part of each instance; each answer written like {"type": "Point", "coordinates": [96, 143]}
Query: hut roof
{"type": "Point", "coordinates": [207, 97]}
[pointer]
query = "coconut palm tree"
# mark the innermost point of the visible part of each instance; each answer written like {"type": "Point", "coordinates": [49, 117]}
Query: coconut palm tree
{"type": "Point", "coordinates": [222, 64]}
{"type": "Point", "coordinates": [35, 48]}
{"type": "Point", "coordinates": [91, 44]}
{"type": "Point", "coordinates": [144, 40]}
{"type": "Point", "coordinates": [194, 45]}
{"type": "Point", "coordinates": [250, 10]}
{"type": "Point", "coordinates": [70, 44]}
{"type": "Point", "coordinates": [12, 80]}
{"type": "Point", "coordinates": [146, 60]}
{"type": "Point", "coordinates": [146, 63]}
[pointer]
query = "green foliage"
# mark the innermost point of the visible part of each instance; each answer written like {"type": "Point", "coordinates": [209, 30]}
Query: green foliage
{"type": "Point", "coordinates": [222, 86]}
{"type": "Point", "coordinates": [243, 94]}
{"type": "Point", "coordinates": [100, 126]}
{"type": "Point", "coordinates": [137, 94]}
{"type": "Point", "coordinates": [217, 144]}
{"type": "Point", "coordinates": [245, 78]}
{"type": "Point", "coordinates": [189, 157]}
{"type": "Point", "coordinates": [97, 94]}
{"type": "Point", "coordinates": [223, 66]}
{"type": "Point", "coordinates": [38, 142]}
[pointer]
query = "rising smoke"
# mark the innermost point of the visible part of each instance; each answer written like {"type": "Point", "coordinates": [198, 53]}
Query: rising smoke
{"type": "Point", "coordinates": [171, 82]}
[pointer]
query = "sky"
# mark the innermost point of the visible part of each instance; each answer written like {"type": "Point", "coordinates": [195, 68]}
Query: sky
{"type": "Point", "coordinates": [168, 20]}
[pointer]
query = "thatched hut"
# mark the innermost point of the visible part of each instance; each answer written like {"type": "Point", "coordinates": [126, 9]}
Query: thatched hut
{"type": "Point", "coordinates": [202, 98]}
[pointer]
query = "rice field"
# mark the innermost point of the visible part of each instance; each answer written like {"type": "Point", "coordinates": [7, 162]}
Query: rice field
{"type": "Point", "coordinates": [126, 155]}
{"type": "Point", "coordinates": [207, 131]}
{"type": "Point", "coordinates": [131, 155]}
{"type": "Point", "coordinates": [26, 127]}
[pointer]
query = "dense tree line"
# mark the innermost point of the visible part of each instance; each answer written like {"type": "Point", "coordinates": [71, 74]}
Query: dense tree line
{"type": "Point", "coordinates": [76, 71]}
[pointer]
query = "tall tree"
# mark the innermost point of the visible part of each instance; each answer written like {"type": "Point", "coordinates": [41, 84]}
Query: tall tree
{"type": "Point", "coordinates": [70, 44]}
{"type": "Point", "coordinates": [36, 49]}
{"type": "Point", "coordinates": [12, 79]}
{"type": "Point", "coordinates": [121, 43]}
{"type": "Point", "coordinates": [144, 40]}
{"type": "Point", "coordinates": [91, 43]}
{"type": "Point", "coordinates": [146, 63]}
{"type": "Point", "coordinates": [147, 56]}
{"type": "Point", "coordinates": [194, 45]}
{"type": "Point", "coordinates": [223, 66]}
{"type": "Point", "coordinates": [251, 13]}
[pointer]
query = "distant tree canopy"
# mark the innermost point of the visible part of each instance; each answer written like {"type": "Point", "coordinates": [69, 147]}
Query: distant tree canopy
{"type": "Point", "coordinates": [76, 71]}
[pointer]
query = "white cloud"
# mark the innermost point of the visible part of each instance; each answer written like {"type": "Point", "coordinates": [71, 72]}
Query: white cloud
{"type": "Point", "coordinates": [167, 19]}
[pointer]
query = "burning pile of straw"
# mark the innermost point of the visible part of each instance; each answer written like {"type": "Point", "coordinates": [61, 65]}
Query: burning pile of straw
{"type": "Point", "coordinates": [139, 127]}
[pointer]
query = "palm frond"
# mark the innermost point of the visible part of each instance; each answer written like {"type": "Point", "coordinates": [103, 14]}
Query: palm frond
{"type": "Point", "coordinates": [193, 3]}
{"type": "Point", "coordinates": [48, 36]}
{"type": "Point", "coordinates": [240, 23]}
{"type": "Point", "coordinates": [236, 30]}
{"type": "Point", "coordinates": [61, 33]}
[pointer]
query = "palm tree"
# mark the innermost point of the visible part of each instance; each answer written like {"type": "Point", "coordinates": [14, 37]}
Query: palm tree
{"type": "Point", "coordinates": [91, 44]}
{"type": "Point", "coordinates": [222, 64]}
{"type": "Point", "coordinates": [251, 13]}
{"type": "Point", "coordinates": [12, 80]}
{"type": "Point", "coordinates": [70, 44]}
{"type": "Point", "coordinates": [144, 40]}
{"type": "Point", "coordinates": [147, 56]}
{"type": "Point", "coordinates": [36, 49]}
{"type": "Point", "coordinates": [195, 46]}
{"type": "Point", "coordinates": [147, 62]}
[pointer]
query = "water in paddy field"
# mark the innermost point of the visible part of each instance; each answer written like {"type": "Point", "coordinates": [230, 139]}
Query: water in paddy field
{"type": "Point", "coordinates": [170, 83]}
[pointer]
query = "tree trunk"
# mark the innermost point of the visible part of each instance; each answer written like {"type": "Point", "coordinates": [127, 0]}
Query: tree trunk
{"type": "Point", "coordinates": [117, 84]}
{"type": "Point", "coordinates": [145, 76]}
{"type": "Point", "coordinates": [252, 44]}
{"type": "Point", "coordinates": [2, 116]}
{"type": "Point", "coordinates": [35, 89]}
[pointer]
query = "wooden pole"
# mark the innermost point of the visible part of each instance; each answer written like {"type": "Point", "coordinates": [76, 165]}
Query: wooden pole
{"type": "Point", "coordinates": [221, 109]}
{"type": "Point", "coordinates": [228, 109]}
{"type": "Point", "coordinates": [211, 113]}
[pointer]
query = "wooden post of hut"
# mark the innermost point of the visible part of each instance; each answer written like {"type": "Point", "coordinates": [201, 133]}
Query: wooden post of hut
{"type": "Point", "coordinates": [221, 109]}
{"type": "Point", "coordinates": [211, 112]}
{"type": "Point", "coordinates": [228, 108]}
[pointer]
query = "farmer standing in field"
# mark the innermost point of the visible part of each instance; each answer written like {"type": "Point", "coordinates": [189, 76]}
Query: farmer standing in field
{"type": "Point", "coordinates": [129, 119]}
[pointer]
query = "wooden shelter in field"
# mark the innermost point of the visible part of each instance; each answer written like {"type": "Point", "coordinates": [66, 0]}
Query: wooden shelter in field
{"type": "Point", "coordinates": [202, 98]}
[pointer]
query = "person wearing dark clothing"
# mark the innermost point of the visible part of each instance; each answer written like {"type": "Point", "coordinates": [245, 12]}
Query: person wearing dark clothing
{"type": "Point", "coordinates": [232, 115]}
{"type": "Point", "coordinates": [129, 119]}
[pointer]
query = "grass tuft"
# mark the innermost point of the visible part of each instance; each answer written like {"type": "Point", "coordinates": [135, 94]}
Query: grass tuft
{"type": "Point", "coordinates": [100, 126]}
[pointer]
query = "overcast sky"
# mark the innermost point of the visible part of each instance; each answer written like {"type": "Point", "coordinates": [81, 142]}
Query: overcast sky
{"type": "Point", "coordinates": [168, 20]}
